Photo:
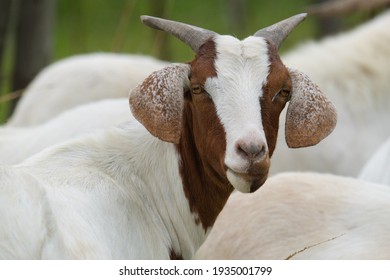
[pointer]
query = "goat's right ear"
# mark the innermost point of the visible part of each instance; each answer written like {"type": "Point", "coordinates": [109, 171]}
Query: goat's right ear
{"type": "Point", "coordinates": [158, 102]}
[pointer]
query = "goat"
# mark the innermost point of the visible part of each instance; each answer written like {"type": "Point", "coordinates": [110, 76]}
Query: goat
{"type": "Point", "coordinates": [18, 143]}
{"type": "Point", "coordinates": [152, 188]}
{"type": "Point", "coordinates": [377, 169]}
{"type": "Point", "coordinates": [303, 216]}
{"type": "Point", "coordinates": [353, 69]}
{"type": "Point", "coordinates": [78, 80]}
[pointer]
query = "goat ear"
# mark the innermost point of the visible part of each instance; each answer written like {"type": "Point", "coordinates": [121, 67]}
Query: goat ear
{"type": "Point", "coordinates": [310, 115]}
{"type": "Point", "coordinates": [157, 103]}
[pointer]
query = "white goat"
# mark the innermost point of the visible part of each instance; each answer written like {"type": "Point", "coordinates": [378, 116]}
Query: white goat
{"type": "Point", "coordinates": [18, 143]}
{"type": "Point", "coordinates": [303, 216]}
{"type": "Point", "coordinates": [81, 79]}
{"type": "Point", "coordinates": [154, 190]}
{"type": "Point", "coordinates": [353, 69]}
{"type": "Point", "coordinates": [377, 169]}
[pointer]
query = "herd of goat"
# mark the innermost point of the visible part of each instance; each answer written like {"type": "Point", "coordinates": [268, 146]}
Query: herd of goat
{"type": "Point", "coordinates": [195, 168]}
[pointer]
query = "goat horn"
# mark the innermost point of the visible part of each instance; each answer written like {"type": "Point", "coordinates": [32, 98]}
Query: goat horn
{"type": "Point", "coordinates": [278, 32]}
{"type": "Point", "coordinates": [193, 36]}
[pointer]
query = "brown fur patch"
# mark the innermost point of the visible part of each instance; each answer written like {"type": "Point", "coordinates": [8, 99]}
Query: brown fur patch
{"type": "Point", "coordinates": [202, 166]}
{"type": "Point", "coordinates": [271, 107]}
{"type": "Point", "coordinates": [202, 67]}
{"type": "Point", "coordinates": [202, 146]}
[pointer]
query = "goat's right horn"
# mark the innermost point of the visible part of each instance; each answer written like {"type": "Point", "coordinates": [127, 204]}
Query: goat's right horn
{"type": "Point", "coordinates": [193, 36]}
{"type": "Point", "coordinates": [279, 31]}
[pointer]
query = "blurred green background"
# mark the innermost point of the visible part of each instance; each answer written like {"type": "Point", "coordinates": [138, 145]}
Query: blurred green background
{"type": "Point", "coordinates": [84, 26]}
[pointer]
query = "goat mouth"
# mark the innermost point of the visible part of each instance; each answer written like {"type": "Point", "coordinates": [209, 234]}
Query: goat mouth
{"type": "Point", "coordinates": [255, 178]}
{"type": "Point", "coordinates": [246, 176]}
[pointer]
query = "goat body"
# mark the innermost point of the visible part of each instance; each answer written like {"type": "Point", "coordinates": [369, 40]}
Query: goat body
{"type": "Point", "coordinates": [81, 79]}
{"type": "Point", "coordinates": [74, 201]}
{"type": "Point", "coordinates": [377, 169]}
{"type": "Point", "coordinates": [303, 216]}
{"type": "Point", "coordinates": [18, 143]}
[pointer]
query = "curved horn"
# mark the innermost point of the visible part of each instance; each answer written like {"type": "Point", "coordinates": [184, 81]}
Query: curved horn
{"type": "Point", "coordinates": [278, 32]}
{"type": "Point", "coordinates": [193, 36]}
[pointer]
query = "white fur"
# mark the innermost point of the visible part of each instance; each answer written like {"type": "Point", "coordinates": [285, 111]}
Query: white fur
{"type": "Point", "coordinates": [242, 68]}
{"type": "Point", "coordinates": [377, 169]}
{"type": "Point", "coordinates": [80, 79]}
{"type": "Point", "coordinates": [353, 70]}
{"type": "Point", "coordinates": [96, 198]}
{"type": "Point", "coordinates": [303, 216]}
{"type": "Point", "coordinates": [18, 143]}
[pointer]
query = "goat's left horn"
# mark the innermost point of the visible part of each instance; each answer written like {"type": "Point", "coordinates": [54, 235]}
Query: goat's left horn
{"type": "Point", "coordinates": [193, 36]}
{"type": "Point", "coordinates": [278, 32]}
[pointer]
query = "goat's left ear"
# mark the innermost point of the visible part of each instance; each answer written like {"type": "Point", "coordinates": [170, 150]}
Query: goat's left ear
{"type": "Point", "coordinates": [158, 102]}
{"type": "Point", "coordinates": [310, 115]}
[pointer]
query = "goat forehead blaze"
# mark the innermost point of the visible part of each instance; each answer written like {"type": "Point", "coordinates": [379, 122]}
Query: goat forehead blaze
{"type": "Point", "coordinates": [241, 70]}
{"type": "Point", "coordinates": [233, 73]}
{"type": "Point", "coordinates": [237, 65]}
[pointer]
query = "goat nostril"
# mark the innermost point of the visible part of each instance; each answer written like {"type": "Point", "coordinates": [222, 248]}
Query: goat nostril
{"type": "Point", "coordinates": [252, 151]}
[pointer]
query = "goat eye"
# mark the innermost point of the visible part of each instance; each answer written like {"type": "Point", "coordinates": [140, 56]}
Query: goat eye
{"type": "Point", "coordinates": [283, 93]}
{"type": "Point", "coordinates": [196, 89]}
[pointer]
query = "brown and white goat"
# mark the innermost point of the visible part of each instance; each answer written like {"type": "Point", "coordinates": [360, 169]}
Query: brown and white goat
{"type": "Point", "coordinates": [224, 106]}
{"type": "Point", "coordinates": [126, 194]}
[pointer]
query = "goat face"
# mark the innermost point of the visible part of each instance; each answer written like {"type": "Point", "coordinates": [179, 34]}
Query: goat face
{"type": "Point", "coordinates": [228, 101]}
{"type": "Point", "coordinates": [235, 98]}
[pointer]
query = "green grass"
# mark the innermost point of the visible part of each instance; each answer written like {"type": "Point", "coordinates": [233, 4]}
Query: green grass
{"type": "Point", "coordinates": [90, 26]}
